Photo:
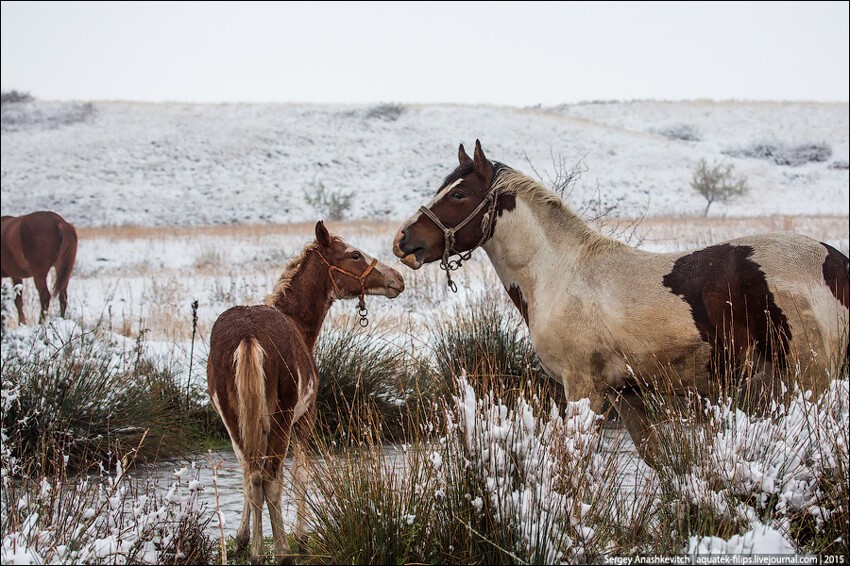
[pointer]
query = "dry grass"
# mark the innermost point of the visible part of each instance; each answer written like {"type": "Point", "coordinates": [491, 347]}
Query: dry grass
{"type": "Point", "coordinates": [228, 265]}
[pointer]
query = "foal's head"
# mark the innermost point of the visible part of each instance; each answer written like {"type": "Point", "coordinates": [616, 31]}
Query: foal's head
{"type": "Point", "coordinates": [353, 271]}
{"type": "Point", "coordinates": [465, 206]}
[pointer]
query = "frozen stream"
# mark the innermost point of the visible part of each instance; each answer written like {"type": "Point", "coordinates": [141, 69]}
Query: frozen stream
{"type": "Point", "coordinates": [229, 478]}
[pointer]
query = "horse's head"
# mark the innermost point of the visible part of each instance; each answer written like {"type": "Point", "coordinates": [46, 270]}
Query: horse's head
{"type": "Point", "coordinates": [353, 272]}
{"type": "Point", "coordinates": [458, 219]}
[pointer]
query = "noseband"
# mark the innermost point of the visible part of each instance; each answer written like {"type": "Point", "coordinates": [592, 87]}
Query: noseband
{"type": "Point", "coordinates": [449, 265]}
{"type": "Point", "coordinates": [362, 310]}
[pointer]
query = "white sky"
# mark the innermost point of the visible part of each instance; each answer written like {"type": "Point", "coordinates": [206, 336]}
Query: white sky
{"type": "Point", "coordinates": [504, 53]}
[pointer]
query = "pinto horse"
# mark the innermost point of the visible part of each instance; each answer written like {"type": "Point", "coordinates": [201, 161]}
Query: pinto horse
{"type": "Point", "coordinates": [263, 379]}
{"type": "Point", "coordinates": [31, 245]}
{"type": "Point", "coordinates": [606, 319]}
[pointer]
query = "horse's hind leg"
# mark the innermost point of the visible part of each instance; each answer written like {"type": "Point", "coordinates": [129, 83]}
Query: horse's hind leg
{"type": "Point", "coordinates": [40, 280]}
{"type": "Point", "coordinates": [63, 302]}
{"type": "Point", "coordinates": [303, 432]}
{"type": "Point", "coordinates": [242, 535]}
{"type": "Point", "coordinates": [273, 488]}
{"type": "Point", "coordinates": [18, 290]}
{"type": "Point", "coordinates": [255, 491]}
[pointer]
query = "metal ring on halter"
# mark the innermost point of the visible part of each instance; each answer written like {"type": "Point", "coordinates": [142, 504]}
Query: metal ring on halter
{"type": "Point", "coordinates": [360, 279]}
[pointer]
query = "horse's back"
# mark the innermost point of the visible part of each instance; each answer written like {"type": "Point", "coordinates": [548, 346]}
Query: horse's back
{"type": "Point", "coordinates": [784, 285]}
{"type": "Point", "coordinates": [286, 359]}
{"type": "Point", "coordinates": [31, 243]}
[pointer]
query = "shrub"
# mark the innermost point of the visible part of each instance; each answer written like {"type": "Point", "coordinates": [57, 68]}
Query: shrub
{"type": "Point", "coordinates": [331, 205]}
{"type": "Point", "coordinates": [682, 132]}
{"type": "Point", "coordinates": [18, 117]}
{"type": "Point", "coordinates": [101, 517]}
{"type": "Point", "coordinates": [78, 395]}
{"type": "Point", "coordinates": [781, 154]}
{"type": "Point", "coordinates": [718, 183]}
{"type": "Point", "coordinates": [386, 112]}
{"type": "Point", "coordinates": [363, 376]}
{"type": "Point", "coordinates": [486, 338]}
{"type": "Point", "coordinates": [15, 96]}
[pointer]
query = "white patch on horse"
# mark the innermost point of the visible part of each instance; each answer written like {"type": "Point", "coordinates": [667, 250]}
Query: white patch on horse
{"type": "Point", "coordinates": [306, 391]}
{"type": "Point", "coordinates": [217, 407]}
{"type": "Point", "coordinates": [432, 202]}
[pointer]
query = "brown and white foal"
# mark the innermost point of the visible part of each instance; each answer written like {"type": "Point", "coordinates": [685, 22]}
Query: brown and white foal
{"type": "Point", "coordinates": [262, 376]}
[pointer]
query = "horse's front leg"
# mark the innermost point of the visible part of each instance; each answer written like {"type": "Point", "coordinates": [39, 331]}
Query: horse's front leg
{"type": "Point", "coordinates": [633, 412]}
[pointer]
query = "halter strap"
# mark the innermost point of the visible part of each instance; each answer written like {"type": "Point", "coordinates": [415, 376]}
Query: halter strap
{"type": "Point", "coordinates": [448, 265]}
{"type": "Point", "coordinates": [362, 310]}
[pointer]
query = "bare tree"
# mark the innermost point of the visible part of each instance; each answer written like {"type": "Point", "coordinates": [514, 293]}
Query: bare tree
{"type": "Point", "coordinates": [718, 183]}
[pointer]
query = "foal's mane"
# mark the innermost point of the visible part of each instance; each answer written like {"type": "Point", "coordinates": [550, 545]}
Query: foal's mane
{"type": "Point", "coordinates": [542, 198]}
{"type": "Point", "coordinates": [284, 283]}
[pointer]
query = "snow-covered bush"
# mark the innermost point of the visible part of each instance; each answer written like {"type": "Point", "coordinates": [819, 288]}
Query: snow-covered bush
{"type": "Point", "coordinates": [784, 154]}
{"type": "Point", "coordinates": [104, 518]}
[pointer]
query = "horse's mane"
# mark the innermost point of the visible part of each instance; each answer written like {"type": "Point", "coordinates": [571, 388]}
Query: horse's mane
{"type": "Point", "coordinates": [514, 182]}
{"type": "Point", "coordinates": [284, 283]}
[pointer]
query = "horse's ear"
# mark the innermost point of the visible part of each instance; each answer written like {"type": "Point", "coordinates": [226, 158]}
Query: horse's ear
{"type": "Point", "coordinates": [323, 237]}
{"type": "Point", "coordinates": [482, 166]}
{"type": "Point", "coordinates": [462, 156]}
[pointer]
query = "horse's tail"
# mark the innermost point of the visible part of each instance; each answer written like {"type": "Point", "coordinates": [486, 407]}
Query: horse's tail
{"type": "Point", "coordinates": [67, 256]}
{"type": "Point", "coordinates": [252, 409]}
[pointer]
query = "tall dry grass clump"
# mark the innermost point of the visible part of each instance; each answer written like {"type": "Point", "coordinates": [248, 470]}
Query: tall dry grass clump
{"type": "Point", "coordinates": [81, 394]}
{"type": "Point", "coordinates": [498, 470]}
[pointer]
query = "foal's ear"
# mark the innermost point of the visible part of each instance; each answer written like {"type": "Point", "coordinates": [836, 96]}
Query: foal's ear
{"type": "Point", "coordinates": [482, 166]}
{"type": "Point", "coordinates": [323, 237]}
{"type": "Point", "coordinates": [462, 156]}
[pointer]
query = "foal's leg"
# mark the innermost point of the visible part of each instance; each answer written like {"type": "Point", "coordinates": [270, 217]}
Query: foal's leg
{"type": "Point", "coordinates": [255, 490]}
{"type": "Point", "coordinates": [273, 489]}
{"type": "Point", "coordinates": [245, 522]}
{"type": "Point", "coordinates": [633, 413]}
{"type": "Point", "coordinates": [300, 476]}
{"type": "Point", "coordinates": [18, 290]}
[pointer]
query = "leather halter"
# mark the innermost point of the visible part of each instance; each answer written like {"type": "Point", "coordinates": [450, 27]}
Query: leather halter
{"type": "Point", "coordinates": [362, 310]}
{"type": "Point", "coordinates": [449, 265]}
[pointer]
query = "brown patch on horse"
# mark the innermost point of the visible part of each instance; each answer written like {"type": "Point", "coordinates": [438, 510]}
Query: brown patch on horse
{"type": "Point", "coordinates": [730, 300]}
{"type": "Point", "coordinates": [30, 246]}
{"type": "Point", "coordinates": [519, 301]}
{"type": "Point", "coordinates": [835, 273]}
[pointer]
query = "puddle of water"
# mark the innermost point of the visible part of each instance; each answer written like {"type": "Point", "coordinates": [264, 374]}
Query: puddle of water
{"type": "Point", "coordinates": [229, 478]}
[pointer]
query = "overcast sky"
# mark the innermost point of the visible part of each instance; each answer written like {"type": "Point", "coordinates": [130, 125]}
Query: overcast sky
{"type": "Point", "coordinates": [504, 53]}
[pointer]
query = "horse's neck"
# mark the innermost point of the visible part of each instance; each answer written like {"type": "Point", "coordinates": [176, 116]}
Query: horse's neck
{"type": "Point", "coordinates": [306, 296]}
{"type": "Point", "coordinates": [532, 244]}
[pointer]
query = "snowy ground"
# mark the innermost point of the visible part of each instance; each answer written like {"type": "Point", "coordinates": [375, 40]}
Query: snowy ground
{"type": "Point", "coordinates": [124, 163]}
{"type": "Point", "coordinates": [178, 202]}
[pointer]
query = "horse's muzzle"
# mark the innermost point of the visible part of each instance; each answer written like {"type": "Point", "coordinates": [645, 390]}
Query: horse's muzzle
{"type": "Point", "coordinates": [408, 258]}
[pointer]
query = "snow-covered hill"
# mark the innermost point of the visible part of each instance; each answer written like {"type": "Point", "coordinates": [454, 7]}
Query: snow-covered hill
{"type": "Point", "coordinates": [118, 163]}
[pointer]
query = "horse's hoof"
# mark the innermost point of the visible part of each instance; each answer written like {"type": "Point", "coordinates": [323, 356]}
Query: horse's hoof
{"type": "Point", "coordinates": [287, 561]}
{"type": "Point", "coordinates": [257, 559]}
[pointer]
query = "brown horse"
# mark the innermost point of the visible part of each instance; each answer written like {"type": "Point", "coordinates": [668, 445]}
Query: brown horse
{"type": "Point", "coordinates": [31, 245]}
{"type": "Point", "coordinates": [262, 376]}
{"type": "Point", "coordinates": [610, 321]}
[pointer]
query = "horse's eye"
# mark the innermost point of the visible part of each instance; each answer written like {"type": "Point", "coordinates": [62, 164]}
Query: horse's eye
{"type": "Point", "coordinates": [458, 195]}
{"type": "Point", "coordinates": [355, 256]}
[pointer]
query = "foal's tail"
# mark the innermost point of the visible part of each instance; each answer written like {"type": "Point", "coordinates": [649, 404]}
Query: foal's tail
{"type": "Point", "coordinates": [253, 411]}
{"type": "Point", "coordinates": [67, 256]}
